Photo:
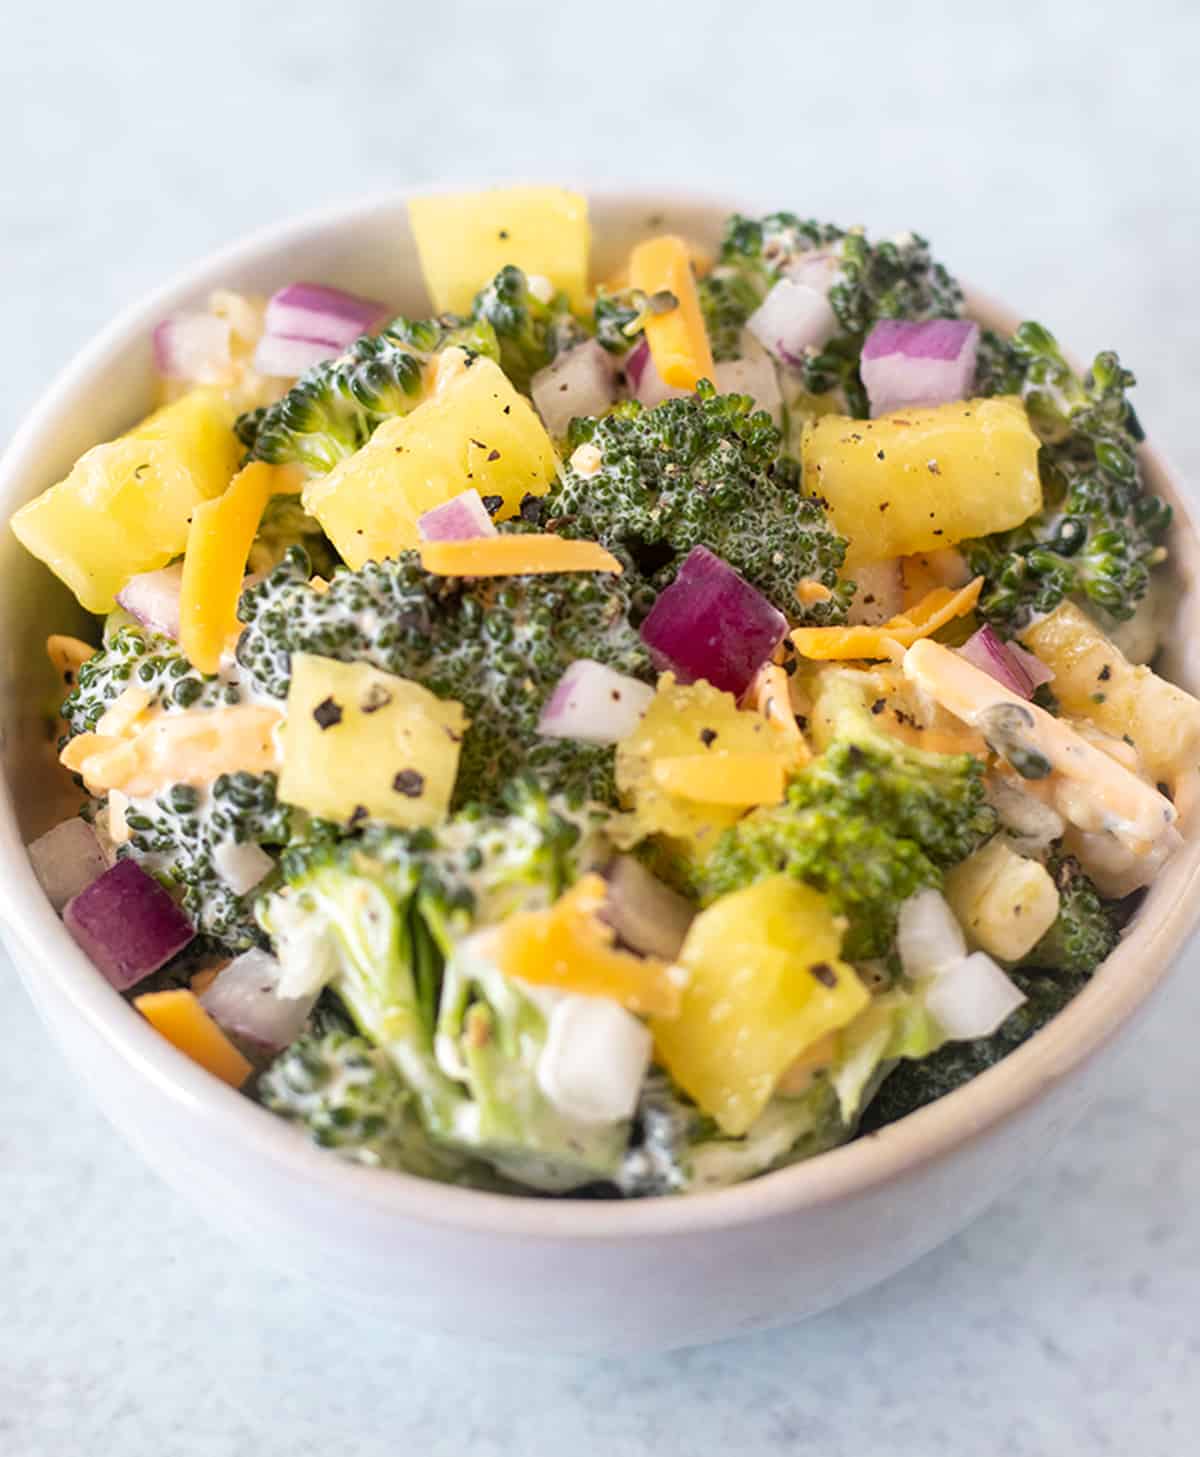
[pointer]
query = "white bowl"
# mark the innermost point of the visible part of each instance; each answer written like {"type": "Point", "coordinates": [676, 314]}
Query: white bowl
{"type": "Point", "coordinates": [600, 1276]}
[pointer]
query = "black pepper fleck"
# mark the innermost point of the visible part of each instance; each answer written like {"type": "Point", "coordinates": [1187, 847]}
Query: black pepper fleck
{"type": "Point", "coordinates": [409, 783]}
{"type": "Point", "coordinates": [327, 713]}
{"type": "Point", "coordinates": [824, 973]}
{"type": "Point", "coordinates": [708, 737]}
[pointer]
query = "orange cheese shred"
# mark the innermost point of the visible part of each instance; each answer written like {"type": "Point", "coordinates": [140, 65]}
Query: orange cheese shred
{"type": "Point", "coordinates": [180, 1018]}
{"type": "Point", "coordinates": [219, 540]}
{"type": "Point", "coordinates": [935, 610]}
{"type": "Point", "coordinates": [569, 947]}
{"type": "Point", "coordinates": [723, 778]}
{"type": "Point", "coordinates": [515, 556]}
{"type": "Point", "coordinates": [677, 337]}
{"type": "Point", "coordinates": [770, 695]}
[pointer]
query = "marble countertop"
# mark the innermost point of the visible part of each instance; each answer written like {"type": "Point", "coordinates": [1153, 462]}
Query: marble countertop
{"type": "Point", "coordinates": [1049, 152]}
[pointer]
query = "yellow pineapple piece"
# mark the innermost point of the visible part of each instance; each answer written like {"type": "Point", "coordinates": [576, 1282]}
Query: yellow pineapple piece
{"type": "Point", "coordinates": [1003, 901]}
{"type": "Point", "coordinates": [464, 239]}
{"type": "Point", "coordinates": [1094, 680]}
{"type": "Point", "coordinates": [360, 743]}
{"type": "Point", "coordinates": [764, 985]}
{"type": "Point", "coordinates": [125, 507]}
{"type": "Point", "coordinates": [690, 721]}
{"type": "Point", "coordinates": [922, 479]}
{"type": "Point", "coordinates": [474, 430]}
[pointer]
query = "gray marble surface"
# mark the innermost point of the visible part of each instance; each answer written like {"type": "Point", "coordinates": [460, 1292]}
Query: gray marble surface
{"type": "Point", "coordinates": [1050, 153]}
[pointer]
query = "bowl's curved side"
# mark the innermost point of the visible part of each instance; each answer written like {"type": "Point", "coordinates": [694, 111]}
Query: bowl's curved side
{"type": "Point", "coordinates": [760, 1253]}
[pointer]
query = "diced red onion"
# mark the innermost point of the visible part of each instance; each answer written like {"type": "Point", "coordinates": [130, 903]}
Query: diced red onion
{"type": "Point", "coordinates": [1035, 670]}
{"type": "Point", "coordinates": [754, 376]}
{"type": "Point", "coordinates": [577, 384]}
{"type": "Point", "coordinates": [928, 937]}
{"type": "Point", "coordinates": [462, 518]}
{"type": "Point", "coordinates": [241, 867]}
{"type": "Point", "coordinates": [594, 704]}
{"type": "Point", "coordinates": [153, 598]}
{"type": "Point", "coordinates": [931, 363]}
{"type": "Point", "coordinates": [711, 623]}
{"type": "Point", "coordinates": [648, 916]}
{"type": "Point", "coordinates": [193, 347]}
{"type": "Point", "coordinates": [792, 319]}
{"type": "Point", "coordinates": [972, 998]}
{"type": "Point", "coordinates": [244, 998]}
{"type": "Point", "coordinates": [67, 859]}
{"type": "Point", "coordinates": [327, 315]}
{"type": "Point", "coordinates": [127, 924]}
{"type": "Point", "coordinates": [284, 358]}
{"type": "Point", "coordinates": [987, 651]}
{"type": "Point", "coordinates": [645, 383]}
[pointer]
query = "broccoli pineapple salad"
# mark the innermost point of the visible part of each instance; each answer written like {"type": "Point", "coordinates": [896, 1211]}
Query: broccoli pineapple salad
{"type": "Point", "coordinates": [614, 735]}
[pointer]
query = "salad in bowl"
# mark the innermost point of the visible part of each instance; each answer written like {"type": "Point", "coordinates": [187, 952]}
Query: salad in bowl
{"type": "Point", "coordinates": [612, 736]}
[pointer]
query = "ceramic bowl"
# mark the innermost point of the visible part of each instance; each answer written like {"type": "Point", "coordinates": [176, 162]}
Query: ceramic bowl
{"type": "Point", "coordinates": [561, 1275]}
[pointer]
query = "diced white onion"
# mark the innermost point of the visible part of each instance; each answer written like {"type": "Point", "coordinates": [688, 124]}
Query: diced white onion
{"type": "Point", "coordinates": [973, 998]}
{"type": "Point", "coordinates": [195, 347]}
{"type": "Point", "coordinates": [241, 867]}
{"type": "Point", "coordinates": [594, 704]}
{"type": "Point", "coordinates": [753, 375]}
{"type": "Point", "coordinates": [928, 938]}
{"type": "Point", "coordinates": [792, 319]}
{"type": "Point", "coordinates": [594, 1060]}
{"type": "Point", "coordinates": [289, 358]}
{"type": "Point", "coordinates": [646, 914]}
{"type": "Point", "coordinates": [244, 998]}
{"type": "Point", "coordinates": [66, 859]}
{"type": "Point", "coordinates": [579, 383]}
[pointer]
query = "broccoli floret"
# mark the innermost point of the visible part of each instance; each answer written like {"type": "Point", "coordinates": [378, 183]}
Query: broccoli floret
{"type": "Point", "coordinates": [336, 406]}
{"type": "Point", "coordinates": [914, 1083]}
{"type": "Point", "coordinates": [893, 279]}
{"type": "Point", "coordinates": [286, 523]}
{"type": "Point", "coordinates": [385, 920]}
{"type": "Point", "coordinates": [615, 318]}
{"type": "Point", "coordinates": [529, 328]}
{"type": "Point", "coordinates": [868, 823]}
{"type": "Point", "coordinates": [497, 646]}
{"type": "Point", "coordinates": [347, 1096]}
{"type": "Point", "coordinates": [1099, 532]}
{"type": "Point", "coordinates": [699, 471]}
{"type": "Point", "coordinates": [133, 656]}
{"type": "Point", "coordinates": [182, 836]}
{"type": "Point", "coordinates": [1085, 931]}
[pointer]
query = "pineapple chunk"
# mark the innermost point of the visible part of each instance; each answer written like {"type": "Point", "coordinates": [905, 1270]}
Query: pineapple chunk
{"type": "Point", "coordinates": [690, 721]}
{"type": "Point", "coordinates": [464, 239]}
{"type": "Point", "coordinates": [923, 479]}
{"type": "Point", "coordinates": [570, 948]}
{"type": "Point", "coordinates": [1004, 902]}
{"type": "Point", "coordinates": [361, 743]}
{"type": "Point", "coordinates": [125, 507]}
{"type": "Point", "coordinates": [475, 430]}
{"type": "Point", "coordinates": [764, 985]}
{"type": "Point", "coordinates": [1093, 680]}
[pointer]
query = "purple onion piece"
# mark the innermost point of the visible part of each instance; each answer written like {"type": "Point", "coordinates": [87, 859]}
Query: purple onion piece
{"type": "Point", "coordinates": [594, 704]}
{"type": "Point", "coordinates": [153, 598]}
{"type": "Point", "coordinates": [328, 315]}
{"type": "Point", "coordinates": [1035, 670]}
{"type": "Point", "coordinates": [578, 384]}
{"type": "Point", "coordinates": [986, 651]}
{"type": "Point", "coordinates": [462, 518]}
{"type": "Point", "coordinates": [906, 364]}
{"type": "Point", "coordinates": [127, 923]}
{"type": "Point", "coordinates": [711, 623]}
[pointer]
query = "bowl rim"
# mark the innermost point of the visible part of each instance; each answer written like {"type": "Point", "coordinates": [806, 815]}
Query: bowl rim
{"type": "Point", "coordinates": [40, 941]}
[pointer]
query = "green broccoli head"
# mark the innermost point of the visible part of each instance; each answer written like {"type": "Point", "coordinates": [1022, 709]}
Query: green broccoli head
{"type": "Point", "coordinates": [703, 470]}
{"type": "Point", "coordinates": [336, 406]}
{"type": "Point", "coordinates": [1085, 931]}
{"type": "Point", "coordinates": [896, 278]}
{"type": "Point", "coordinates": [498, 646]}
{"type": "Point", "coordinates": [348, 1096]}
{"type": "Point", "coordinates": [616, 318]}
{"type": "Point", "coordinates": [286, 523]}
{"type": "Point", "coordinates": [184, 835]}
{"type": "Point", "coordinates": [1099, 533]}
{"type": "Point", "coordinates": [869, 822]}
{"type": "Point", "coordinates": [530, 330]}
{"type": "Point", "coordinates": [133, 656]}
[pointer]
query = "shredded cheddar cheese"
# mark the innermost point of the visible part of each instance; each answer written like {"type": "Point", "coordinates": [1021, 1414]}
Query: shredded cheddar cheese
{"type": "Point", "coordinates": [180, 1018]}
{"type": "Point", "coordinates": [677, 337]}
{"type": "Point", "coordinates": [515, 556]}
{"type": "Point", "coordinates": [935, 610]}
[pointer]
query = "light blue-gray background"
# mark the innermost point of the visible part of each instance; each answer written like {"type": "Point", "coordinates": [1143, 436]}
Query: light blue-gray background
{"type": "Point", "coordinates": [1050, 152]}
